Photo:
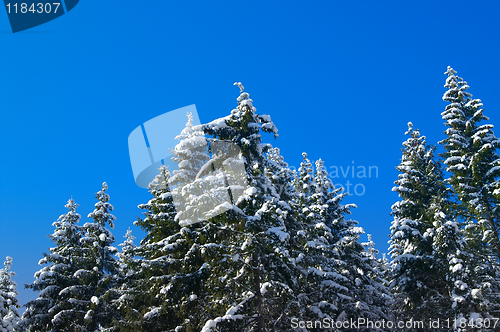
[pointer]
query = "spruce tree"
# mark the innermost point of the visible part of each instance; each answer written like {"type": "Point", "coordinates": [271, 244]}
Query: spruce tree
{"type": "Point", "coordinates": [458, 292]}
{"type": "Point", "coordinates": [58, 306]}
{"type": "Point", "coordinates": [99, 270]}
{"type": "Point", "coordinates": [191, 194]}
{"type": "Point", "coordinates": [170, 269]}
{"type": "Point", "coordinates": [415, 281]}
{"type": "Point", "coordinates": [282, 177]}
{"type": "Point", "coordinates": [472, 161]}
{"type": "Point", "coordinates": [381, 268]}
{"type": "Point", "coordinates": [322, 285]}
{"type": "Point", "coordinates": [126, 255]}
{"type": "Point", "coordinates": [9, 316]}
{"type": "Point", "coordinates": [341, 277]}
{"type": "Point", "coordinates": [249, 266]}
{"type": "Point", "coordinates": [124, 288]}
{"type": "Point", "coordinates": [474, 167]}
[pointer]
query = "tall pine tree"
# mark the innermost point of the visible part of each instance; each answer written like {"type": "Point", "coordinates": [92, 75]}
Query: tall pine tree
{"type": "Point", "coordinates": [415, 281]}
{"type": "Point", "coordinates": [58, 306]}
{"type": "Point", "coordinates": [9, 316]}
{"type": "Point", "coordinates": [163, 293]}
{"type": "Point", "coordinates": [472, 160]}
{"type": "Point", "coordinates": [252, 237]}
{"type": "Point", "coordinates": [341, 278]}
{"type": "Point", "coordinates": [99, 271]}
{"type": "Point", "coordinates": [474, 167]}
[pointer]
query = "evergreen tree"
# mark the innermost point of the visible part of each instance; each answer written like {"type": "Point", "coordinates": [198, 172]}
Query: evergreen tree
{"type": "Point", "coordinates": [126, 255]}
{"type": "Point", "coordinates": [341, 277]}
{"type": "Point", "coordinates": [457, 288]}
{"type": "Point", "coordinates": [254, 234]}
{"type": "Point", "coordinates": [191, 196]}
{"type": "Point", "coordinates": [282, 177]}
{"type": "Point", "coordinates": [415, 281]}
{"type": "Point", "coordinates": [304, 182]}
{"type": "Point", "coordinates": [170, 268]}
{"type": "Point", "coordinates": [58, 307]}
{"type": "Point", "coordinates": [322, 283]}
{"type": "Point", "coordinates": [474, 168]}
{"type": "Point", "coordinates": [472, 160]}
{"type": "Point", "coordinates": [9, 316]}
{"type": "Point", "coordinates": [99, 270]}
{"type": "Point", "coordinates": [381, 268]}
{"type": "Point", "coordinates": [128, 266]}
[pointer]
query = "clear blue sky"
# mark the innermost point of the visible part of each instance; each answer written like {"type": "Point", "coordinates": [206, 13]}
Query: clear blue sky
{"type": "Point", "coordinates": [339, 80]}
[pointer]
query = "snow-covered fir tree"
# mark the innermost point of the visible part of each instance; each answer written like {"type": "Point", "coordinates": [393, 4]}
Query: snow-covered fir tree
{"type": "Point", "coordinates": [474, 167]}
{"type": "Point", "coordinates": [321, 289]}
{"type": "Point", "coordinates": [58, 306]}
{"type": "Point", "coordinates": [341, 281]}
{"type": "Point", "coordinates": [99, 269]}
{"type": "Point", "coordinates": [162, 292]}
{"type": "Point", "coordinates": [191, 195]}
{"type": "Point", "coordinates": [471, 159]}
{"type": "Point", "coordinates": [457, 288]}
{"type": "Point", "coordinates": [252, 239]}
{"type": "Point", "coordinates": [9, 304]}
{"type": "Point", "coordinates": [126, 255]}
{"type": "Point", "coordinates": [304, 182]}
{"type": "Point", "coordinates": [282, 177]}
{"type": "Point", "coordinates": [228, 271]}
{"type": "Point", "coordinates": [416, 284]}
{"type": "Point", "coordinates": [381, 268]}
{"type": "Point", "coordinates": [127, 266]}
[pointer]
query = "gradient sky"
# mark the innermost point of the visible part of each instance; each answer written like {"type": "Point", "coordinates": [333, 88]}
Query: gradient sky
{"type": "Point", "coordinates": [340, 81]}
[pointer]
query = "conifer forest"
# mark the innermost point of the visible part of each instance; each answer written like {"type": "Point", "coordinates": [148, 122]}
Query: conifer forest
{"type": "Point", "coordinates": [237, 240]}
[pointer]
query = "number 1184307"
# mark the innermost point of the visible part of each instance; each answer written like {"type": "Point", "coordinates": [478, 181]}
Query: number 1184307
{"type": "Point", "coordinates": [23, 8]}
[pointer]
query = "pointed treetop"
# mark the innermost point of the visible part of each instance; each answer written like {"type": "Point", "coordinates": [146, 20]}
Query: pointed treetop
{"type": "Point", "coordinates": [457, 88]}
{"type": "Point", "coordinates": [71, 206]}
{"type": "Point", "coordinates": [101, 195]}
{"type": "Point", "coordinates": [159, 184]}
{"type": "Point", "coordinates": [8, 263]}
{"type": "Point", "coordinates": [244, 99]}
{"type": "Point", "coordinates": [188, 131]}
{"type": "Point", "coordinates": [450, 71]}
{"type": "Point", "coordinates": [410, 129]}
{"type": "Point", "coordinates": [129, 235]}
{"type": "Point", "coordinates": [129, 241]}
{"type": "Point", "coordinates": [320, 164]}
{"type": "Point", "coordinates": [239, 86]}
{"type": "Point", "coordinates": [189, 124]}
{"type": "Point", "coordinates": [413, 133]}
{"type": "Point", "coordinates": [102, 209]}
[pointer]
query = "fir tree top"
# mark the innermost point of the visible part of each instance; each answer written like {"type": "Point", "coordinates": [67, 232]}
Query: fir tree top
{"type": "Point", "coordinates": [102, 214]}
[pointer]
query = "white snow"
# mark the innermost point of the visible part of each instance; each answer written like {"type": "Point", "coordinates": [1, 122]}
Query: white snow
{"type": "Point", "coordinates": [280, 232]}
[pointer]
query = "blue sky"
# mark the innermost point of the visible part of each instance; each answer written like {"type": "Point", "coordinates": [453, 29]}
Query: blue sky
{"type": "Point", "coordinates": [340, 81]}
